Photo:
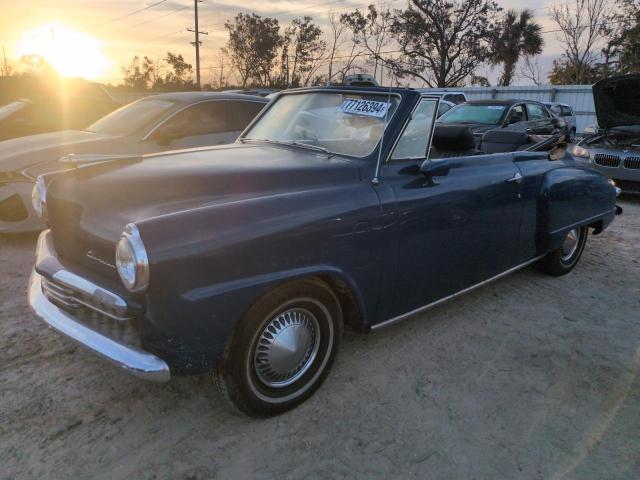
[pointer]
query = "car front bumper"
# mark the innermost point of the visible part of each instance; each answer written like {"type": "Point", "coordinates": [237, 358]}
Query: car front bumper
{"type": "Point", "coordinates": [131, 358]}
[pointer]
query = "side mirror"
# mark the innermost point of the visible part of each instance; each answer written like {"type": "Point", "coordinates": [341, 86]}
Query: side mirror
{"type": "Point", "coordinates": [434, 168]}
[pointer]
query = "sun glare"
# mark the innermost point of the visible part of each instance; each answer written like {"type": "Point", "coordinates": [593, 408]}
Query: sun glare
{"type": "Point", "coordinates": [71, 53]}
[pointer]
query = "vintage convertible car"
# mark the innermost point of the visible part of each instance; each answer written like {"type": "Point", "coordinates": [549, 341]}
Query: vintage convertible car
{"type": "Point", "coordinates": [247, 260]}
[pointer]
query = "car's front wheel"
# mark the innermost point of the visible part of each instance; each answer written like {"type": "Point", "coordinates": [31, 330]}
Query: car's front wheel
{"type": "Point", "coordinates": [565, 258]}
{"type": "Point", "coordinates": [282, 349]}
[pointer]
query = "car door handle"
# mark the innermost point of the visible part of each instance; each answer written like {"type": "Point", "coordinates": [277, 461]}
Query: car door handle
{"type": "Point", "coordinates": [517, 177]}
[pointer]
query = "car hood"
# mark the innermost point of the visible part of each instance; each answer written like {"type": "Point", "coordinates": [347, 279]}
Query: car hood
{"type": "Point", "coordinates": [19, 154]}
{"type": "Point", "coordinates": [89, 207]}
{"type": "Point", "coordinates": [617, 101]}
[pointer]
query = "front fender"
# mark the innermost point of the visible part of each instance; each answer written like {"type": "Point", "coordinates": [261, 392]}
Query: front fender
{"type": "Point", "coordinates": [210, 264]}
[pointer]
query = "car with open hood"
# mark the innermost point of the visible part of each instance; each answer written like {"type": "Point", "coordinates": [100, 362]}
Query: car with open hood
{"type": "Point", "coordinates": [614, 147]}
{"type": "Point", "coordinates": [336, 206]}
{"type": "Point", "coordinates": [153, 124]}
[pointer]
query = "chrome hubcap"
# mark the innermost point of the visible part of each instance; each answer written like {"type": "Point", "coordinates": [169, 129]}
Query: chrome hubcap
{"type": "Point", "coordinates": [570, 244]}
{"type": "Point", "coordinates": [287, 347]}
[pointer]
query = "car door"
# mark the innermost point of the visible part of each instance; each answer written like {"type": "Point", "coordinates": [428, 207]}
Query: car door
{"type": "Point", "coordinates": [539, 120]}
{"type": "Point", "coordinates": [516, 118]}
{"type": "Point", "coordinates": [199, 125]}
{"type": "Point", "coordinates": [452, 233]}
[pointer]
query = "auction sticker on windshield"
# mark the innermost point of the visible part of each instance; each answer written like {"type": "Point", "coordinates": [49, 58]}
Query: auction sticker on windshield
{"type": "Point", "coordinates": [370, 108]}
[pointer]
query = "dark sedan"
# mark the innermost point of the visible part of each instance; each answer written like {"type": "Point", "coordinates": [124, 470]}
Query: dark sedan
{"type": "Point", "coordinates": [533, 118]}
{"type": "Point", "coordinates": [168, 121]}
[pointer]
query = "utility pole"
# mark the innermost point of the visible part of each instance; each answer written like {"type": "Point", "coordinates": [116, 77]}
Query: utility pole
{"type": "Point", "coordinates": [221, 70]}
{"type": "Point", "coordinates": [197, 43]}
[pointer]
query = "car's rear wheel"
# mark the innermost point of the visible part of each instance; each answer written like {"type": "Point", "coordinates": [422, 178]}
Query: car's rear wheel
{"type": "Point", "coordinates": [282, 349]}
{"type": "Point", "coordinates": [562, 260]}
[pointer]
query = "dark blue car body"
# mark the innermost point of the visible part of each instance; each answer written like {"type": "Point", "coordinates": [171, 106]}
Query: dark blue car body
{"type": "Point", "coordinates": [224, 225]}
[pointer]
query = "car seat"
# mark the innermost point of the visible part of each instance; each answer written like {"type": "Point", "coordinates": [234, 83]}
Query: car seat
{"type": "Point", "coordinates": [452, 141]}
{"type": "Point", "coordinates": [500, 141]}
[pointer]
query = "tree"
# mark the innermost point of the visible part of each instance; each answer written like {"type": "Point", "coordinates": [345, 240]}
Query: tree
{"type": "Point", "coordinates": [136, 77]}
{"type": "Point", "coordinates": [442, 42]}
{"type": "Point", "coordinates": [531, 70]}
{"type": "Point", "coordinates": [622, 52]}
{"type": "Point", "coordinates": [6, 68]}
{"type": "Point", "coordinates": [37, 65]}
{"type": "Point", "coordinates": [253, 46]}
{"type": "Point", "coordinates": [516, 35]}
{"type": "Point", "coordinates": [302, 52]}
{"type": "Point", "coordinates": [370, 32]}
{"type": "Point", "coordinates": [178, 76]}
{"type": "Point", "coordinates": [582, 26]}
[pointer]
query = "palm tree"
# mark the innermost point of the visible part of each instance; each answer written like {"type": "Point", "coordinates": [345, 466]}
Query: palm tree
{"type": "Point", "coordinates": [516, 35]}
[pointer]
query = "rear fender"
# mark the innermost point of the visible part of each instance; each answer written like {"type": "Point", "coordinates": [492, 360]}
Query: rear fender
{"type": "Point", "coordinates": [572, 197]}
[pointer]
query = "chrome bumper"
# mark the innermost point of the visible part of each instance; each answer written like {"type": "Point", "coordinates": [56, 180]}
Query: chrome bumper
{"type": "Point", "coordinates": [134, 360]}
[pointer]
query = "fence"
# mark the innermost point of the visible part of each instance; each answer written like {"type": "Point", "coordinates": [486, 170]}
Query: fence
{"type": "Point", "coordinates": [580, 97]}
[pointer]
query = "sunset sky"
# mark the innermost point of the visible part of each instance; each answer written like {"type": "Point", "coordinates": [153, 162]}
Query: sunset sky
{"type": "Point", "coordinates": [94, 38]}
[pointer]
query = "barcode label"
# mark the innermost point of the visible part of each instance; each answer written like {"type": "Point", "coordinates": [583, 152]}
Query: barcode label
{"type": "Point", "coordinates": [369, 108]}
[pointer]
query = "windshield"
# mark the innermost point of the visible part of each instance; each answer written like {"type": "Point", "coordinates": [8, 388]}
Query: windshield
{"type": "Point", "coordinates": [469, 113]}
{"type": "Point", "coordinates": [343, 123]}
{"type": "Point", "coordinates": [132, 117]}
{"type": "Point", "coordinates": [11, 108]}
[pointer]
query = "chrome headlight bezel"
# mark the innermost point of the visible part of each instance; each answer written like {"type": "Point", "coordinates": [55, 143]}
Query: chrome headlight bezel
{"type": "Point", "coordinates": [39, 197]}
{"type": "Point", "coordinates": [132, 262]}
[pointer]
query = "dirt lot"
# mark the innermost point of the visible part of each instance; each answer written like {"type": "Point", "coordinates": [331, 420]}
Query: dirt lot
{"type": "Point", "coordinates": [530, 378]}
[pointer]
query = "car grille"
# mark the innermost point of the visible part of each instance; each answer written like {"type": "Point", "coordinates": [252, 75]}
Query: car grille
{"type": "Point", "coordinates": [607, 160]}
{"type": "Point", "coordinates": [632, 162]}
{"type": "Point", "coordinates": [98, 317]}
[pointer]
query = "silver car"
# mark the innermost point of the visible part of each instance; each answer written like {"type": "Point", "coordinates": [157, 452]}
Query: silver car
{"type": "Point", "coordinates": [566, 113]}
{"type": "Point", "coordinates": [615, 147]}
{"type": "Point", "coordinates": [169, 121]}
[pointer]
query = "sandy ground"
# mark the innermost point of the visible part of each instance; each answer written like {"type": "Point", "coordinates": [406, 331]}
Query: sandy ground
{"type": "Point", "coordinates": [531, 377]}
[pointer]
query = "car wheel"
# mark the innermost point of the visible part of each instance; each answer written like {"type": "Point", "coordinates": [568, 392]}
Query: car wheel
{"type": "Point", "coordinates": [562, 260]}
{"type": "Point", "coordinates": [572, 135]}
{"type": "Point", "coordinates": [282, 349]}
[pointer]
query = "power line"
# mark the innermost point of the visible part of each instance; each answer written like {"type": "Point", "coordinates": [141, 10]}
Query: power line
{"type": "Point", "coordinates": [136, 11]}
{"type": "Point", "coordinates": [151, 20]}
{"type": "Point", "coordinates": [346, 7]}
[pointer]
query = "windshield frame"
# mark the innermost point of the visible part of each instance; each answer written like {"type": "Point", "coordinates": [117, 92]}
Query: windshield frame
{"type": "Point", "coordinates": [357, 91]}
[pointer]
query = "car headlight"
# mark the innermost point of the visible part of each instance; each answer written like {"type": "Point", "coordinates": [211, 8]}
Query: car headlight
{"type": "Point", "coordinates": [39, 197]}
{"type": "Point", "coordinates": [131, 260]}
{"type": "Point", "coordinates": [578, 151]}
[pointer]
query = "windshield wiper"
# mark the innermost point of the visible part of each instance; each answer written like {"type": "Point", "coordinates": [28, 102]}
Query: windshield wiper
{"type": "Point", "coordinates": [295, 143]}
{"type": "Point", "coordinates": [318, 148]}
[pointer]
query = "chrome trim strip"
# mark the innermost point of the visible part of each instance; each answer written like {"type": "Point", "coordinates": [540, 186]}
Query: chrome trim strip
{"type": "Point", "coordinates": [135, 361]}
{"type": "Point", "coordinates": [418, 310]}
